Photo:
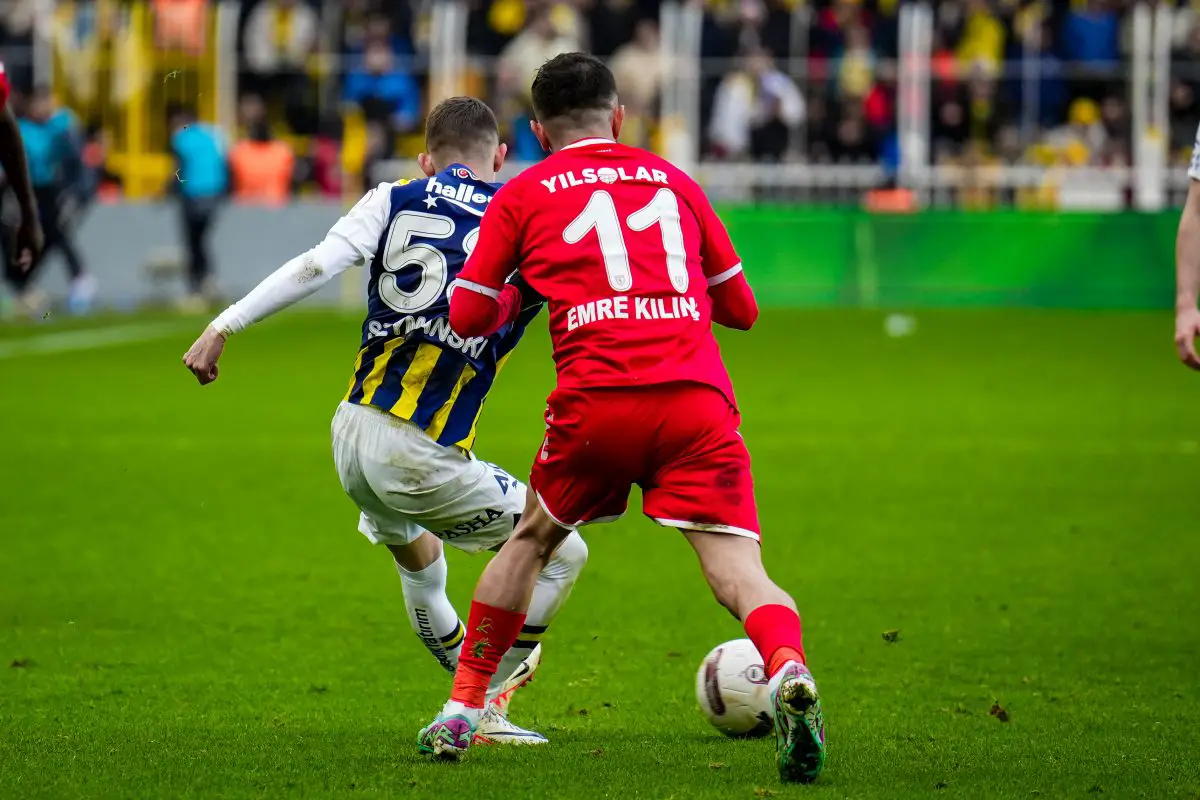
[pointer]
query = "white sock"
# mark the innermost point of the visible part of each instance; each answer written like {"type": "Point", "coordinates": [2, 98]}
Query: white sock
{"type": "Point", "coordinates": [453, 707]}
{"type": "Point", "coordinates": [430, 613]}
{"type": "Point", "coordinates": [552, 589]}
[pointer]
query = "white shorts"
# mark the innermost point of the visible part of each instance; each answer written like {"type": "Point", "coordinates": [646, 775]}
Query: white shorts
{"type": "Point", "coordinates": [405, 483]}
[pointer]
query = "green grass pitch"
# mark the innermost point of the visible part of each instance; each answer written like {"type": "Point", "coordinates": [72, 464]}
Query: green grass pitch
{"type": "Point", "coordinates": [188, 610]}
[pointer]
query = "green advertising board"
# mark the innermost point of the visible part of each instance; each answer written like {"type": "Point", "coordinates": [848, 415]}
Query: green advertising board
{"type": "Point", "coordinates": [807, 257]}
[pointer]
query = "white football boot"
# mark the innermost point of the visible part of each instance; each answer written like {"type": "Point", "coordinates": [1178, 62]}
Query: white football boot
{"type": "Point", "coordinates": [495, 727]}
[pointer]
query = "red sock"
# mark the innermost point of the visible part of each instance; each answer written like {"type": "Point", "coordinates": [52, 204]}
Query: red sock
{"type": "Point", "coordinates": [775, 631]}
{"type": "Point", "coordinates": [491, 632]}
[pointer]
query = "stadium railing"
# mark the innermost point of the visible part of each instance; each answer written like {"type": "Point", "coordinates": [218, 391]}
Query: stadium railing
{"type": "Point", "coordinates": [1101, 144]}
{"type": "Point", "coordinates": [1119, 140]}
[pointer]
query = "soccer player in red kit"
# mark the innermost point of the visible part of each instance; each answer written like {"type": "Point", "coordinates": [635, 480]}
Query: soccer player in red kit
{"type": "Point", "coordinates": [29, 238]}
{"type": "Point", "coordinates": [635, 266]}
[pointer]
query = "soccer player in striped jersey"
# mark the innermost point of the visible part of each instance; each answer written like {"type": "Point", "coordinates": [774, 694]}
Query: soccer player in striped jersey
{"type": "Point", "coordinates": [403, 433]}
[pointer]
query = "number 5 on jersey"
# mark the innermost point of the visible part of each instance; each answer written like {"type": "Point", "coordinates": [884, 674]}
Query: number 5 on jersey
{"type": "Point", "coordinates": [401, 252]}
{"type": "Point", "coordinates": [600, 214]}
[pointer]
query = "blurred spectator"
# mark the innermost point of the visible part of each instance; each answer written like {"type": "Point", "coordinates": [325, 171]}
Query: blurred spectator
{"type": "Point", "coordinates": [751, 24]}
{"type": "Point", "coordinates": [613, 23]}
{"type": "Point", "coordinates": [879, 104]}
{"type": "Point", "coordinates": [280, 36]}
{"type": "Point", "coordinates": [854, 69]}
{"type": "Point", "coordinates": [1091, 32]}
{"type": "Point", "coordinates": [18, 19]}
{"type": "Point", "coordinates": [385, 93]}
{"type": "Point", "coordinates": [943, 62]}
{"type": "Point", "coordinates": [354, 17]}
{"type": "Point", "coordinates": [638, 68]}
{"type": "Point", "coordinates": [973, 113]}
{"type": "Point", "coordinates": [541, 40]}
{"type": "Point", "coordinates": [97, 143]}
{"type": "Point", "coordinates": [262, 167]}
{"type": "Point", "coordinates": [950, 128]}
{"type": "Point", "coordinates": [1048, 91]}
{"type": "Point", "coordinates": [492, 23]}
{"type": "Point", "coordinates": [1083, 137]}
{"type": "Point", "coordinates": [180, 25]}
{"type": "Point", "coordinates": [828, 34]}
{"type": "Point", "coordinates": [201, 183]}
{"type": "Point", "coordinates": [251, 111]}
{"type": "Point", "coordinates": [1090, 36]}
{"type": "Point", "coordinates": [756, 111]}
{"type": "Point", "coordinates": [853, 142]}
{"type": "Point", "coordinates": [982, 44]}
{"type": "Point", "coordinates": [375, 29]}
{"type": "Point", "coordinates": [54, 149]}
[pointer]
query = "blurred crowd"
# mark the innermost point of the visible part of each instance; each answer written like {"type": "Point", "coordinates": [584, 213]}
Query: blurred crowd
{"type": "Point", "coordinates": [1012, 81]}
{"type": "Point", "coordinates": [325, 89]}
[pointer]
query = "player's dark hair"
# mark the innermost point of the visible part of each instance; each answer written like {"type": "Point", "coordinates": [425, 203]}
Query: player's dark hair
{"type": "Point", "coordinates": [461, 125]}
{"type": "Point", "coordinates": [571, 88]}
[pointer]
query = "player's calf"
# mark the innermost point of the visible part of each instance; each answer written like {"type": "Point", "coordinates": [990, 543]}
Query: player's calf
{"type": "Point", "coordinates": [422, 567]}
{"type": "Point", "coordinates": [554, 584]}
{"type": "Point", "coordinates": [733, 567]}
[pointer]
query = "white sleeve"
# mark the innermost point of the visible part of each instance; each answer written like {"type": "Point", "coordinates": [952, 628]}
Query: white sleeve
{"type": "Point", "coordinates": [1194, 165]}
{"type": "Point", "coordinates": [351, 241]}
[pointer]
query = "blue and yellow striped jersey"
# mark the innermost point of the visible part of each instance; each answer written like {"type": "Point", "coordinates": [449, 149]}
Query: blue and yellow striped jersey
{"type": "Point", "coordinates": [410, 363]}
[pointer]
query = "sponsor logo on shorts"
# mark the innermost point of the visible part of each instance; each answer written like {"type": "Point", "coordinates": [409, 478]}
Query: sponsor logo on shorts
{"type": "Point", "coordinates": [473, 525]}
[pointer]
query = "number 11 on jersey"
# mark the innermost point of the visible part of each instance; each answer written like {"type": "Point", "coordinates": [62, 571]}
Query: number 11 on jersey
{"type": "Point", "coordinates": [600, 214]}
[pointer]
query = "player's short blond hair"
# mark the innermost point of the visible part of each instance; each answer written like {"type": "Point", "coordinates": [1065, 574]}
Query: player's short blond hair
{"type": "Point", "coordinates": [463, 125]}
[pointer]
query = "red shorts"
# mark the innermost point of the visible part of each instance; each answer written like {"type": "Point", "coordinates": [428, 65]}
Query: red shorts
{"type": "Point", "coordinates": [679, 442]}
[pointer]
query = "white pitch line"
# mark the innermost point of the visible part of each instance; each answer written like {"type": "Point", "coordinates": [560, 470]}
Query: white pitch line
{"type": "Point", "coordinates": [87, 339]}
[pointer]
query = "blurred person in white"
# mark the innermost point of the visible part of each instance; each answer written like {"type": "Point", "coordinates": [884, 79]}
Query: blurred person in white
{"type": "Point", "coordinates": [1083, 136]}
{"type": "Point", "coordinates": [638, 67]}
{"type": "Point", "coordinates": [280, 36]}
{"type": "Point", "coordinates": [756, 110]}
{"type": "Point", "coordinates": [547, 33]}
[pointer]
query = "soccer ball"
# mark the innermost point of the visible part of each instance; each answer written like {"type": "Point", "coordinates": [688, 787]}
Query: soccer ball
{"type": "Point", "coordinates": [731, 688]}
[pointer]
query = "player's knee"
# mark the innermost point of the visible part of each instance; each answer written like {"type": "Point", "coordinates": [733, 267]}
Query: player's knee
{"type": "Point", "coordinates": [569, 559]}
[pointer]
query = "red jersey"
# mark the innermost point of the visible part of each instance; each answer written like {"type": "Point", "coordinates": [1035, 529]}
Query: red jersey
{"type": "Point", "coordinates": [5, 87]}
{"type": "Point", "coordinates": [624, 247]}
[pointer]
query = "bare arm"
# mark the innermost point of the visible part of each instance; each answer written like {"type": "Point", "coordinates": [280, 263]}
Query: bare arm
{"type": "Point", "coordinates": [1187, 279]}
